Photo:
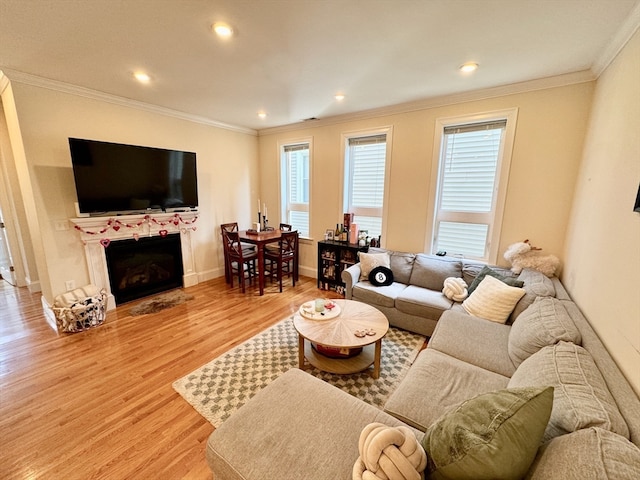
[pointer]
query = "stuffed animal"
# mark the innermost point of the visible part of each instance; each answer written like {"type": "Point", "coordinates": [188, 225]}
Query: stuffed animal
{"type": "Point", "coordinates": [524, 255]}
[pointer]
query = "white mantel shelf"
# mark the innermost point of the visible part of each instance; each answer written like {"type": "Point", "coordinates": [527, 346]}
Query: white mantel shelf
{"type": "Point", "coordinates": [97, 232]}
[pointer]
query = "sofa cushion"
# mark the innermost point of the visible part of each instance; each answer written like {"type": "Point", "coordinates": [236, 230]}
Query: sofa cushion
{"type": "Point", "coordinates": [493, 300]}
{"type": "Point", "coordinates": [581, 397]}
{"type": "Point", "coordinates": [422, 302]}
{"type": "Point", "coordinates": [589, 454]}
{"type": "Point", "coordinates": [472, 268]}
{"type": "Point", "coordinates": [493, 435]}
{"type": "Point", "coordinates": [369, 261]}
{"type": "Point", "coordinates": [401, 263]}
{"type": "Point", "coordinates": [536, 284]}
{"type": "Point", "coordinates": [514, 282]}
{"type": "Point", "coordinates": [263, 438]}
{"type": "Point", "coordinates": [385, 296]}
{"type": "Point", "coordinates": [474, 340]}
{"type": "Point", "coordinates": [430, 271]}
{"type": "Point", "coordinates": [545, 322]}
{"type": "Point", "coordinates": [434, 384]}
{"type": "Point", "coordinates": [619, 386]}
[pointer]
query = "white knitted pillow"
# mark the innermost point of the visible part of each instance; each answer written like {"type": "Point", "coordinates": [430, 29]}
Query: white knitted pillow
{"type": "Point", "coordinates": [493, 300]}
{"type": "Point", "coordinates": [455, 288]}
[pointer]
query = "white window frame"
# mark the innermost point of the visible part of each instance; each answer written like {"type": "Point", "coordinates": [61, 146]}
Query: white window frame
{"type": "Point", "coordinates": [495, 217]}
{"type": "Point", "coordinates": [344, 146]}
{"type": "Point", "coordinates": [283, 181]}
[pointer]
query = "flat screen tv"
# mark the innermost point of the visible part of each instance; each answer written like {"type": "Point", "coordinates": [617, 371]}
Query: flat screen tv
{"type": "Point", "coordinates": [112, 177]}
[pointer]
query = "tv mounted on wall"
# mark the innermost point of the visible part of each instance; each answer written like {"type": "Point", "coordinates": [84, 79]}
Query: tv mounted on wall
{"type": "Point", "coordinates": [114, 178]}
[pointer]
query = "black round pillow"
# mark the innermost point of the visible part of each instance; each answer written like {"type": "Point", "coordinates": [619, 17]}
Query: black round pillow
{"type": "Point", "coordinates": [381, 276]}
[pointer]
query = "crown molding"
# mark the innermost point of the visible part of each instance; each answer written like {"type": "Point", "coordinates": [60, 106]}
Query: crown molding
{"type": "Point", "coordinates": [620, 39]}
{"type": "Point", "coordinates": [441, 101]}
{"type": "Point", "coordinates": [36, 81]}
{"type": "Point", "coordinates": [423, 104]}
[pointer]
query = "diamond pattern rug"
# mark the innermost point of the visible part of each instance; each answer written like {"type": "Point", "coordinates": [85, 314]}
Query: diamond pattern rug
{"type": "Point", "coordinates": [220, 387]}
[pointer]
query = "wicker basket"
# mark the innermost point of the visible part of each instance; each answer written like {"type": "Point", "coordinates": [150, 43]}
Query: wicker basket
{"type": "Point", "coordinates": [80, 309]}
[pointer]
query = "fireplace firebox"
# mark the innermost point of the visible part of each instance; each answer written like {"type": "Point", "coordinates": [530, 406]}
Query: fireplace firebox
{"type": "Point", "coordinates": [139, 268]}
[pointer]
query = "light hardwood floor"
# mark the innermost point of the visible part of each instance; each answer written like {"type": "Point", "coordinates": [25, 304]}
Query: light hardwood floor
{"type": "Point", "coordinates": [99, 404]}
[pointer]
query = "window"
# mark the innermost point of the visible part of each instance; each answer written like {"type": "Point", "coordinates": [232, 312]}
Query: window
{"type": "Point", "coordinates": [473, 163]}
{"type": "Point", "coordinates": [366, 165]}
{"type": "Point", "coordinates": [295, 186]}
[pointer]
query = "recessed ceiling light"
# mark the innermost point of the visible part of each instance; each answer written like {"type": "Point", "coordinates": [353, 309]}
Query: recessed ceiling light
{"type": "Point", "coordinates": [262, 114]}
{"type": "Point", "coordinates": [142, 77]}
{"type": "Point", "coordinates": [339, 96]}
{"type": "Point", "coordinates": [468, 67]}
{"type": "Point", "coordinates": [222, 29]}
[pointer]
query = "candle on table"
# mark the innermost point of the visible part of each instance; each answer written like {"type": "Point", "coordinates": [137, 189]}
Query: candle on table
{"type": "Point", "coordinates": [258, 205]}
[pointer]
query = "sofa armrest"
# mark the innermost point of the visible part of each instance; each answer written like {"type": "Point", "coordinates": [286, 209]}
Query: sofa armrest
{"type": "Point", "coordinates": [350, 276]}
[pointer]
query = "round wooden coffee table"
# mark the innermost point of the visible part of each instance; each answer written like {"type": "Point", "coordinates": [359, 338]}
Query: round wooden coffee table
{"type": "Point", "coordinates": [339, 333]}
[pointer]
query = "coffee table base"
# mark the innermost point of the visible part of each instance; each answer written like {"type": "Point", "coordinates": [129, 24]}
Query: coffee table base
{"type": "Point", "coordinates": [370, 355]}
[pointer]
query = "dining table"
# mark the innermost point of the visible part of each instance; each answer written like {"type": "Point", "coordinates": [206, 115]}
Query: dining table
{"type": "Point", "coordinates": [260, 239]}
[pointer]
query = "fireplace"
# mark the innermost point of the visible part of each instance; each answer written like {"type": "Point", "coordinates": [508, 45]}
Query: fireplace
{"type": "Point", "coordinates": [103, 235]}
{"type": "Point", "coordinates": [138, 268]}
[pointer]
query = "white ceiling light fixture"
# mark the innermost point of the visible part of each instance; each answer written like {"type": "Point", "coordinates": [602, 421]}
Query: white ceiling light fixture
{"type": "Point", "coordinates": [339, 96]}
{"type": "Point", "coordinates": [468, 67]}
{"type": "Point", "coordinates": [222, 29]}
{"type": "Point", "coordinates": [262, 115]}
{"type": "Point", "coordinates": [142, 77]}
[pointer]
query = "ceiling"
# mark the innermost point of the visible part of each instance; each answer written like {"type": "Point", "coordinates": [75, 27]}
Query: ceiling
{"type": "Point", "coordinates": [289, 58]}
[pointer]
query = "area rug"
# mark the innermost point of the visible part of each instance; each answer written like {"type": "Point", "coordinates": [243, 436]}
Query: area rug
{"type": "Point", "coordinates": [220, 387]}
{"type": "Point", "coordinates": [161, 302]}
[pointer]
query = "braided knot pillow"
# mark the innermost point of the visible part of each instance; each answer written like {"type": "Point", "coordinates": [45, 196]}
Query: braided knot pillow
{"type": "Point", "coordinates": [389, 453]}
{"type": "Point", "coordinates": [455, 288]}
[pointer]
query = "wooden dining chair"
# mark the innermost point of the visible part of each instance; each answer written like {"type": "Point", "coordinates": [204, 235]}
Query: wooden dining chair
{"type": "Point", "coordinates": [245, 262]}
{"type": "Point", "coordinates": [284, 261]}
{"type": "Point", "coordinates": [284, 227]}
{"type": "Point", "coordinates": [248, 248]}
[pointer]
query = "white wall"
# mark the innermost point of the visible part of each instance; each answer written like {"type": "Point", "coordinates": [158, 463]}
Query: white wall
{"type": "Point", "coordinates": [226, 161]}
{"type": "Point", "coordinates": [549, 137]}
{"type": "Point", "coordinates": [17, 197]}
{"type": "Point", "coordinates": [602, 251]}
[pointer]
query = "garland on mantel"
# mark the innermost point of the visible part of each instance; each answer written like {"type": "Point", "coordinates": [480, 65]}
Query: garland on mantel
{"type": "Point", "coordinates": [115, 225]}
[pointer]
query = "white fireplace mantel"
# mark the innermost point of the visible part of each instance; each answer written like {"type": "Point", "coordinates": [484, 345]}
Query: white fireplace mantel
{"type": "Point", "coordinates": [97, 232]}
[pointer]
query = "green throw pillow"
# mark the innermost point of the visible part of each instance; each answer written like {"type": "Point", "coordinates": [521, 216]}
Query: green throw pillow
{"type": "Point", "coordinates": [513, 282]}
{"type": "Point", "coordinates": [494, 435]}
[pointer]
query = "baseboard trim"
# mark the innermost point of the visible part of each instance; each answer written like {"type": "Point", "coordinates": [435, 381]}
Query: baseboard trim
{"type": "Point", "coordinates": [49, 316]}
{"type": "Point", "coordinates": [34, 287]}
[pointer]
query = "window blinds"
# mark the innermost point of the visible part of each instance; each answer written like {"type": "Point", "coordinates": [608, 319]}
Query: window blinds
{"type": "Point", "coordinates": [367, 158]}
{"type": "Point", "coordinates": [470, 161]}
{"type": "Point", "coordinates": [296, 187]}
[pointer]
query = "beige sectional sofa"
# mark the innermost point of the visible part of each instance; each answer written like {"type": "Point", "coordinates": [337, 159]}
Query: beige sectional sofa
{"type": "Point", "coordinates": [300, 427]}
{"type": "Point", "coordinates": [414, 301]}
